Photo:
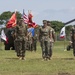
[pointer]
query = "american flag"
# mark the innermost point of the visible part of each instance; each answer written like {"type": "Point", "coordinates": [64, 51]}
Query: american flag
{"type": "Point", "coordinates": [25, 17]}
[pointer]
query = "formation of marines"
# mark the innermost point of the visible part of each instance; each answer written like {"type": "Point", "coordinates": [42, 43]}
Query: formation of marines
{"type": "Point", "coordinates": [23, 40]}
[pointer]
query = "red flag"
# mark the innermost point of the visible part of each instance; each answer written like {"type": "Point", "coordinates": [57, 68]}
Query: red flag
{"type": "Point", "coordinates": [12, 21]}
{"type": "Point", "coordinates": [33, 24]}
{"type": "Point", "coordinates": [30, 22]}
{"type": "Point", "coordinates": [30, 17]}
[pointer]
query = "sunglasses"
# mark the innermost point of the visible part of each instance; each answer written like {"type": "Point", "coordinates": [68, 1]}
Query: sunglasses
{"type": "Point", "coordinates": [44, 23]}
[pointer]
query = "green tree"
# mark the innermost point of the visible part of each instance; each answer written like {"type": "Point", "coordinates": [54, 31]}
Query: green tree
{"type": "Point", "coordinates": [57, 25]}
{"type": "Point", "coordinates": [5, 16]}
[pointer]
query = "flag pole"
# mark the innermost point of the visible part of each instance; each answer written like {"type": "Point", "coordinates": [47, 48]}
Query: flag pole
{"type": "Point", "coordinates": [63, 35]}
{"type": "Point", "coordinates": [15, 10]}
{"type": "Point", "coordinates": [0, 43]}
{"type": "Point", "coordinates": [65, 43]}
{"type": "Point", "coordinates": [2, 47]}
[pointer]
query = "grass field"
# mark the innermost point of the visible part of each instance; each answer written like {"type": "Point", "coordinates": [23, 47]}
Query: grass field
{"type": "Point", "coordinates": [62, 63]}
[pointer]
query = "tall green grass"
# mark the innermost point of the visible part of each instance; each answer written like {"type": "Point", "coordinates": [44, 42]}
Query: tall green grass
{"type": "Point", "coordinates": [62, 62]}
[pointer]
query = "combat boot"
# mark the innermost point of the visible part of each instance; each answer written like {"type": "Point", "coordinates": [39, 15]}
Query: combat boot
{"type": "Point", "coordinates": [23, 58]}
{"type": "Point", "coordinates": [20, 58]}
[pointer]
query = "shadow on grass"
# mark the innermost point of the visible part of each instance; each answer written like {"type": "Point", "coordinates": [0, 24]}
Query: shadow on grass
{"type": "Point", "coordinates": [40, 59]}
{"type": "Point", "coordinates": [13, 58]}
{"type": "Point", "coordinates": [28, 59]}
{"type": "Point", "coordinates": [64, 73]}
{"type": "Point", "coordinates": [65, 58]}
{"type": "Point", "coordinates": [68, 58]}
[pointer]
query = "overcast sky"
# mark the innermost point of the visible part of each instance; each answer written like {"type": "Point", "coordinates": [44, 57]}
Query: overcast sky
{"type": "Point", "coordinates": [61, 10]}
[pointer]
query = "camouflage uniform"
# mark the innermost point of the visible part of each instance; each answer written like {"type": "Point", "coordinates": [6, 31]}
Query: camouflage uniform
{"type": "Point", "coordinates": [34, 42]}
{"type": "Point", "coordinates": [20, 41]}
{"type": "Point", "coordinates": [52, 39]}
{"type": "Point", "coordinates": [44, 37]}
{"type": "Point", "coordinates": [73, 39]}
{"type": "Point", "coordinates": [30, 41]}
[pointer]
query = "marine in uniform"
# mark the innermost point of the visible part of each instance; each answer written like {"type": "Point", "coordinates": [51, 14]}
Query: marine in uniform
{"type": "Point", "coordinates": [29, 40]}
{"type": "Point", "coordinates": [73, 39]}
{"type": "Point", "coordinates": [45, 37]}
{"type": "Point", "coordinates": [52, 39]}
{"type": "Point", "coordinates": [35, 38]}
{"type": "Point", "coordinates": [20, 40]}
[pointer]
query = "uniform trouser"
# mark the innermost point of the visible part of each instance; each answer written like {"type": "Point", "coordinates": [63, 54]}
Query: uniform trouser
{"type": "Point", "coordinates": [30, 45]}
{"type": "Point", "coordinates": [45, 45]}
{"type": "Point", "coordinates": [73, 48]}
{"type": "Point", "coordinates": [50, 50]}
{"type": "Point", "coordinates": [34, 45]}
{"type": "Point", "coordinates": [20, 48]}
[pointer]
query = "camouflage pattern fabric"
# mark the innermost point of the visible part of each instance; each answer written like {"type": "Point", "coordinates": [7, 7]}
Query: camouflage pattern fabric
{"type": "Point", "coordinates": [20, 41]}
{"type": "Point", "coordinates": [44, 36]}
